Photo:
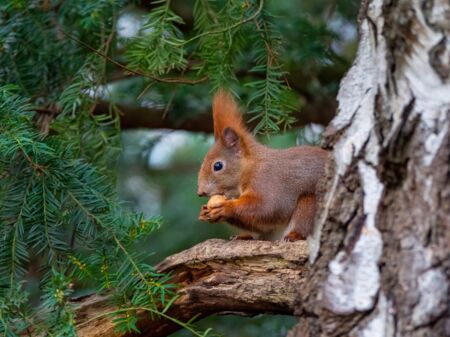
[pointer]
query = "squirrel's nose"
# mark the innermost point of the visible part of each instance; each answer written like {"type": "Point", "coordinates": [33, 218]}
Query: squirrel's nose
{"type": "Point", "coordinates": [201, 193]}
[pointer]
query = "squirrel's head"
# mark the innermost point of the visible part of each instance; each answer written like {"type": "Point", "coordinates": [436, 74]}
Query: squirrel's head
{"type": "Point", "coordinates": [221, 169]}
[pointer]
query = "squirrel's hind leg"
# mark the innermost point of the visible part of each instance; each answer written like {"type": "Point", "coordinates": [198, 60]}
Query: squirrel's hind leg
{"type": "Point", "coordinates": [302, 219]}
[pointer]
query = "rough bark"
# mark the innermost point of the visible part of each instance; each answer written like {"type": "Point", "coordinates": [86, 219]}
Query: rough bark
{"type": "Point", "coordinates": [215, 277]}
{"type": "Point", "coordinates": [381, 249]}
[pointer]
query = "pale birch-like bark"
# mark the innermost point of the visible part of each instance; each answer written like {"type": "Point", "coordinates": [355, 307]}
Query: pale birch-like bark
{"type": "Point", "coordinates": [381, 249]}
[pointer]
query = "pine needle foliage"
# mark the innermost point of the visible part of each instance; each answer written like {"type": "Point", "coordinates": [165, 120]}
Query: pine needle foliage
{"type": "Point", "coordinates": [157, 49]}
{"type": "Point", "coordinates": [58, 206]}
{"type": "Point", "coordinates": [59, 212]}
{"type": "Point", "coordinates": [268, 101]}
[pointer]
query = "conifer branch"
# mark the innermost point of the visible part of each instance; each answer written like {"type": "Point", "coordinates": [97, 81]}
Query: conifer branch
{"type": "Point", "coordinates": [137, 72]}
{"type": "Point", "coordinates": [226, 29]}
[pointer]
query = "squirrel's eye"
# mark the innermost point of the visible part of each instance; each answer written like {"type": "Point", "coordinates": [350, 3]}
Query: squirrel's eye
{"type": "Point", "coordinates": [218, 165]}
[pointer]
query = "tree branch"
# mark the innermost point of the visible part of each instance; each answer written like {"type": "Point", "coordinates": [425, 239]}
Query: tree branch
{"type": "Point", "coordinates": [215, 277]}
{"type": "Point", "coordinates": [131, 117]}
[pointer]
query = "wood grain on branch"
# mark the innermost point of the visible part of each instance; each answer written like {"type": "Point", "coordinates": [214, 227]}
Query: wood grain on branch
{"type": "Point", "coordinates": [215, 277]}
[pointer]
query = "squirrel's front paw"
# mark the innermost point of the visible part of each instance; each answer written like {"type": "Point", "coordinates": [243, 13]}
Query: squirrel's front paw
{"type": "Point", "coordinates": [204, 213]}
{"type": "Point", "coordinates": [219, 212]}
{"type": "Point", "coordinates": [212, 215]}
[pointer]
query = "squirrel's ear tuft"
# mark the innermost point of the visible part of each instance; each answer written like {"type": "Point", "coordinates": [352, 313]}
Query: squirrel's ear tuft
{"type": "Point", "coordinates": [226, 115]}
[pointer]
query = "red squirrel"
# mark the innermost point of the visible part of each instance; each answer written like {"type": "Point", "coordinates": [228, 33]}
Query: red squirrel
{"type": "Point", "coordinates": [265, 190]}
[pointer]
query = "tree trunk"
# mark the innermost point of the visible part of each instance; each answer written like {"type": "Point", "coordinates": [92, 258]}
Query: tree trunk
{"type": "Point", "coordinates": [381, 248]}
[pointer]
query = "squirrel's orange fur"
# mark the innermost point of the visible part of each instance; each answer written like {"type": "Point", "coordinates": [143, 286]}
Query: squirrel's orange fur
{"type": "Point", "coordinates": [266, 189]}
